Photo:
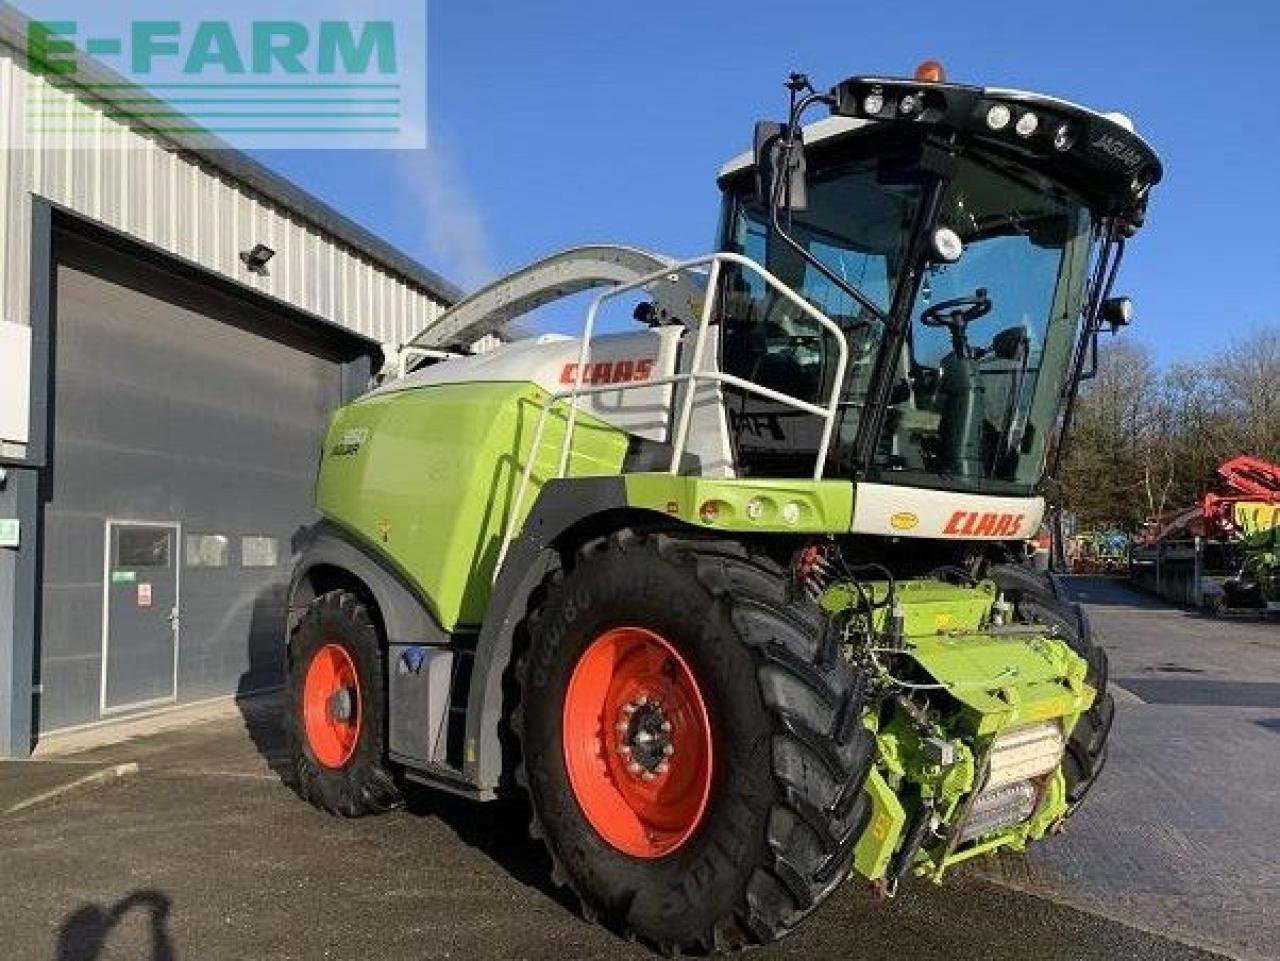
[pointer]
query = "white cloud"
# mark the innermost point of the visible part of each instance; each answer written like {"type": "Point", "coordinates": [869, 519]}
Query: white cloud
{"type": "Point", "coordinates": [454, 235]}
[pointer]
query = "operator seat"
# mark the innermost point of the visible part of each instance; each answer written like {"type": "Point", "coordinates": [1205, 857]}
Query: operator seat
{"type": "Point", "coordinates": [976, 398]}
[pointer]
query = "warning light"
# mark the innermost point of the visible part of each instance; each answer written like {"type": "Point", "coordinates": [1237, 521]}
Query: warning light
{"type": "Point", "coordinates": [931, 71]}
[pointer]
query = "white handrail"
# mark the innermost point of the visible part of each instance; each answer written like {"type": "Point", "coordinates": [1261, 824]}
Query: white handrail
{"type": "Point", "coordinates": [828, 412]}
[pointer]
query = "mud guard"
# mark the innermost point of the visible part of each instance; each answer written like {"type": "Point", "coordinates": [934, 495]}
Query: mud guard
{"type": "Point", "coordinates": [406, 617]}
{"type": "Point", "coordinates": [588, 504]}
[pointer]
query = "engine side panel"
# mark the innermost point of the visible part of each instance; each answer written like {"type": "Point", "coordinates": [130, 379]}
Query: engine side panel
{"type": "Point", "coordinates": [427, 478]}
{"type": "Point", "coordinates": [630, 360]}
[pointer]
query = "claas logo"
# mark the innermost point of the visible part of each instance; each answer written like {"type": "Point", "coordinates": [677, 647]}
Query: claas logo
{"type": "Point", "coordinates": [610, 372]}
{"type": "Point", "coordinates": [983, 524]}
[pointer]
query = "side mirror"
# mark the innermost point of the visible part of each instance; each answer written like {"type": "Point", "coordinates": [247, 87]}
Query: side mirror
{"type": "Point", "coordinates": [775, 170]}
{"type": "Point", "coordinates": [1117, 312]}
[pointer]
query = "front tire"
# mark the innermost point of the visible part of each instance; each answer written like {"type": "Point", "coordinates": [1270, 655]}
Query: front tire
{"type": "Point", "coordinates": [335, 709]}
{"type": "Point", "coordinates": [742, 829]}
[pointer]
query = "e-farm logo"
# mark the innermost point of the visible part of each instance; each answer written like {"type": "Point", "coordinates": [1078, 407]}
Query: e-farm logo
{"type": "Point", "coordinates": [276, 48]}
{"type": "Point", "coordinates": [318, 78]}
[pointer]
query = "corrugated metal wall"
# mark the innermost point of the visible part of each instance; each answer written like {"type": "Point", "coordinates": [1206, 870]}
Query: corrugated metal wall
{"type": "Point", "coordinates": [170, 199]}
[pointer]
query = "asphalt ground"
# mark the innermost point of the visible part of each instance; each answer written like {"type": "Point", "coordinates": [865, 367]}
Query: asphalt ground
{"type": "Point", "coordinates": [1180, 834]}
{"type": "Point", "coordinates": [205, 853]}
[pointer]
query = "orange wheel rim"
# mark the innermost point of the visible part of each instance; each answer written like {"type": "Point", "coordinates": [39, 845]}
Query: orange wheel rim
{"type": "Point", "coordinates": [637, 742]}
{"type": "Point", "coordinates": [331, 710]}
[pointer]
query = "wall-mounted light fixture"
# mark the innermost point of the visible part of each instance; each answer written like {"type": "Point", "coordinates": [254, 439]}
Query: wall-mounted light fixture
{"type": "Point", "coordinates": [257, 259]}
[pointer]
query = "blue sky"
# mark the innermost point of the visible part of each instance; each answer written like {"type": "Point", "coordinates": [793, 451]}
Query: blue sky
{"type": "Point", "coordinates": [553, 124]}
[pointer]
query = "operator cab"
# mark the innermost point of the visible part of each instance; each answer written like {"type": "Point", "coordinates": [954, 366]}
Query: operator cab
{"type": "Point", "coordinates": [964, 239]}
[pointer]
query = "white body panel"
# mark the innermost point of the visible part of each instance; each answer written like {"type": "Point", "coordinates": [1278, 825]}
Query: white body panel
{"type": "Point", "coordinates": [891, 511]}
{"type": "Point", "coordinates": [708, 424]}
{"type": "Point", "coordinates": [816, 132]}
{"type": "Point", "coordinates": [15, 383]}
{"type": "Point", "coordinates": [551, 362]}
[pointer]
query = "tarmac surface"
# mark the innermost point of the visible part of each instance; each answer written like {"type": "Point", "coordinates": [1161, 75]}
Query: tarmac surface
{"type": "Point", "coordinates": [1180, 834]}
{"type": "Point", "coordinates": [204, 853]}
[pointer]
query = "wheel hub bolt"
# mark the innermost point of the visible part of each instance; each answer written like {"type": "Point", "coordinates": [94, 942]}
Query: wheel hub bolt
{"type": "Point", "coordinates": [644, 738]}
{"type": "Point", "coordinates": [342, 705]}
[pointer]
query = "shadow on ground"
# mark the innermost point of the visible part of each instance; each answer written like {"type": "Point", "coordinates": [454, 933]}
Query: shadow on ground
{"type": "Point", "coordinates": [500, 831]}
{"type": "Point", "coordinates": [497, 829]}
{"type": "Point", "coordinates": [263, 723]}
{"type": "Point", "coordinates": [84, 934]}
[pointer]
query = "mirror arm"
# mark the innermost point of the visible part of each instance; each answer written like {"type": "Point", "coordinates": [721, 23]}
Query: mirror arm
{"type": "Point", "coordinates": [863, 299]}
{"type": "Point", "coordinates": [782, 184]}
{"type": "Point", "coordinates": [1092, 371]}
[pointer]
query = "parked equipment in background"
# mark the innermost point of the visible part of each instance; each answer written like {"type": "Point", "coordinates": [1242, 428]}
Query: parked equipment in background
{"type": "Point", "coordinates": [736, 598]}
{"type": "Point", "coordinates": [1240, 480]}
{"type": "Point", "coordinates": [1251, 517]}
{"type": "Point", "coordinates": [1246, 480]}
{"type": "Point", "coordinates": [1098, 552]}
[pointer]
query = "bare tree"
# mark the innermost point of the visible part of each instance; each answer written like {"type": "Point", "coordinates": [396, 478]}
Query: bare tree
{"type": "Point", "coordinates": [1147, 441]}
{"type": "Point", "coordinates": [1247, 380]}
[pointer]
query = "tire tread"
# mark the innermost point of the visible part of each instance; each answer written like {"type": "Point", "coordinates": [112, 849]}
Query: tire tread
{"type": "Point", "coordinates": [815, 816]}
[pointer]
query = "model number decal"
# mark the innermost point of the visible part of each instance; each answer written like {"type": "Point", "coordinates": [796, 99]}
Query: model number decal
{"type": "Point", "coordinates": [1118, 149]}
{"type": "Point", "coordinates": [610, 372]}
{"type": "Point", "coordinates": [983, 524]}
{"type": "Point", "coordinates": [350, 443]}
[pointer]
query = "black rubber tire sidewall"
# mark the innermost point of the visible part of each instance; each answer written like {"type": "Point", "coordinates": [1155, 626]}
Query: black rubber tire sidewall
{"type": "Point", "coordinates": [787, 803]}
{"type": "Point", "coordinates": [631, 591]}
{"type": "Point", "coordinates": [364, 785]}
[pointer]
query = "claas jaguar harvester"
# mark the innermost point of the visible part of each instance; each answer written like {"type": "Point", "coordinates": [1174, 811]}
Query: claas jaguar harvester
{"type": "Point", "coordinates": [732, 595]}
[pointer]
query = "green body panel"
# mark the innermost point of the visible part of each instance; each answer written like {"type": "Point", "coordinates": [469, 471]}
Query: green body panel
{"type": "Point", "coordinates": [427, 477]}
{"type": "Point", "coordinates": [929, 607]}
{"type": "Point", "coordinates": [901, 755]}
{"type": "Point", "coordinates": [820, 507]}
{"type": "Point", "coordinates": [1259, 526]}
{"type": "Point", "coordinates": [1256, 520]}
{"type": "Point", "coordinates": [1007, 681]}
{"type": "Point", "coordinates": [883, 831]}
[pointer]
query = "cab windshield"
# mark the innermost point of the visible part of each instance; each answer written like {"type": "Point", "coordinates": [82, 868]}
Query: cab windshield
{"type": "Point", "coordinates": [975, 391]}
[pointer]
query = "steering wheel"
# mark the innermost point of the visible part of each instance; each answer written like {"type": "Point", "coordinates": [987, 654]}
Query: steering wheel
{"type": "Point", "coordinates": [956, 315]}
{"type": "Point", "coordinates": [959, 311]}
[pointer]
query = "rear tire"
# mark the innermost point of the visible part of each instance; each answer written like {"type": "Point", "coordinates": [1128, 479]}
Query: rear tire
{"type": "Point", "coordinates": [1035, 601]}
{"type": "Point", "coordinates": [335, 714]}
{"type": "Point", "coordinates": [787, 753]}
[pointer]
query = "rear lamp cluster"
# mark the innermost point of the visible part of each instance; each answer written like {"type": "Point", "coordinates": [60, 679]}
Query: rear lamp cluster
{"type": "Point", "coordinates": [1029, 123]}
